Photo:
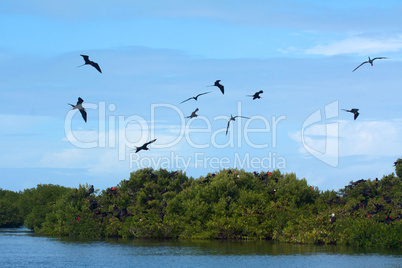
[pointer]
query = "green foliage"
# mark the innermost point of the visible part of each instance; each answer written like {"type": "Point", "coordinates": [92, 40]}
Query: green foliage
{"type": "Point", "coordinates": [398, 167]}
{"type": "Point", "coordinates": [29, 207]}
{"type": "Point", "coordinates": [368, 233]}
{"type": "Point", "coordinates": [11, 214]}
{"type": "Point", "coordinates": [71, 216]}
{"type": "Point", "coordinates": [233, 204]}
{"type": "Point", "coordinates": [37, 202]}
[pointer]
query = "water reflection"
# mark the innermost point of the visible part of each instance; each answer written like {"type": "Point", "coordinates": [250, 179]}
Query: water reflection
{"type": "Point", "coordinates": [15, 231]}
{"type": "Point", "coordinates": [231, 247]}
{"type": "Point", "coordinates": [21, 247]}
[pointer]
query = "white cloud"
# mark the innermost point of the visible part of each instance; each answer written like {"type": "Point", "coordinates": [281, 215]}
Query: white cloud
{"type": "Point", "coordinates": [109, 151]}
{"type": "Point", "coordinates": [378, 138]}
{"type": "Point", "coordinates": [361, 45]}
{"type": "Point", "coordinates": [321, 130]}
{"type": "Point", "coordinates": [375, 138]}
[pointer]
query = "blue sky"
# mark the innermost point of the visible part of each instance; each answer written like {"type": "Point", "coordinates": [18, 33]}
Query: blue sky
{"type": "Point", "coordinates": [156, 54]}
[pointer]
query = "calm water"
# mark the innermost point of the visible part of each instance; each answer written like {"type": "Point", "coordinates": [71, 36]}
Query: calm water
{"type": "Point", "coordinates": [21, 248]}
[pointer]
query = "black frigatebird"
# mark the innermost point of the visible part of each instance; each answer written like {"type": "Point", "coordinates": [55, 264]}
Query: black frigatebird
{"type": "Point", "coordinates": [144, 146]}
{"type": "Point", "coordinates": [87, 61]}
{"type": "Point", "coordinates": [193, 114]}
{"type": "Point", "coordinates": [256, 95]}
{"type": "Point", "coordinates": [219, 86]}
{"type": "Point", "coordinates": [80, 108]}
{"type": "Point", "coordinates": [196, 97]}
{"type": "Point", "coordinates": [233, 118]}
{"type": "Point", "coordinates": [353, 111]}
{"type": "Point", "coordinates": [369, 61]}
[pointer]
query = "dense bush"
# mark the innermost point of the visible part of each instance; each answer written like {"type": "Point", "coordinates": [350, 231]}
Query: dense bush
{"type": "Point", "coordinates": [10, 208]}
{"type": "Point", "coordinates": [233, 204]}
{"type": "Point", "coordinates": [29, 207]}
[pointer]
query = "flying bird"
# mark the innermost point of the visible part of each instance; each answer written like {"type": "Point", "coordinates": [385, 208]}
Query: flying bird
{"type": "Point", "coordinates": [87, 61]}
{"type": "Point", "coordinates": [80, 108]}
{"type": "Point", "coordinates": [353, 111]}
{"type": "Point", "coordinates": [256, 95]}
{"type": "Point", "coordinates": [370, 61]}
{"type": "Point", "coordinates": [218, 85]}
{"type": "Point", "coordinates": [233, 118]}
{"type": "Point", "coordinates": [193, 114]}
{"type": "Point", "coordinates": [196, 97]}
{"type": "Point", "coordinates": [144, 146]}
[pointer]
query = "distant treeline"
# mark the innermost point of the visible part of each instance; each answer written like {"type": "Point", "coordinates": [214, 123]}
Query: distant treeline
{"type": "Point", "coordinates": [233, 204]}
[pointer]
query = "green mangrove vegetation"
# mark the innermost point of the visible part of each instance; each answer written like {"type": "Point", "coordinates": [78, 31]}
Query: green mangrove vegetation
{"type": "Point", "coordinates": [233, 204]}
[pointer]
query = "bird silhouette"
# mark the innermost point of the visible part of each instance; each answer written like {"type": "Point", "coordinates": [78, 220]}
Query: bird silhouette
{"type": "Point", "coordinates": [233, 118]}
{"type": "Point", "coordinates": [256, 95]}
{"type": "Point", "coordinates": [144, 146]}
{"type": "Point", "coordinates": [196, 97]}
{"type": "Point", "coordinates": [398, 162]}
{"type": "Point", "coordinates": [219, 86]}
{"type": "Point", "coordinates": [80, 108]}
{"type": "Point", "coordinates": [89, 62]}
{"type": "Point", "coordinates": [369, 61]}
{"type": "Point", "coordinates": [353, 111]}
{"type": "Point", "coordinates": [193, 114]}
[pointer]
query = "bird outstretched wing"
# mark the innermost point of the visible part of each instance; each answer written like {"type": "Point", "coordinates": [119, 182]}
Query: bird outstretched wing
{"type": "Point", "coordinates": [187, 99]}
{"type": "Point", "coordinates": [242, 116]}
{"type": "Point", "coordinates": [146, 144]}
{"type": "Point", "coordinates": [379, 58]}
{"type": "Point", "coordinates": [202, 94]}
{"type": "Point", "coordinates": [94, 64]}
{"type": "Point", "coordinates": [84, 114]}
{"type": "Point", "coordinates": [222, 89]}
{"type": "Point", "coordinates": [86, 59]}
{"type": "Point", "coordinates": [227, 128]}
{"type": "Point", "coordinates": [196, 96]}
{"type": "Point", "coordinates": [359, 66]}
